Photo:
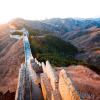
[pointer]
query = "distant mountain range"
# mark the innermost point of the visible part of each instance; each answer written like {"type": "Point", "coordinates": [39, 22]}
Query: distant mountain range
{"type": "Point", "coordinates": [59, 25]}
{"type": "Point", "coordinates": [83, 33]}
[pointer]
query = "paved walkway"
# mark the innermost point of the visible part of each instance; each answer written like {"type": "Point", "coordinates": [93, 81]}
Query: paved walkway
{"type": "Point", "coordinates": [30, 85]}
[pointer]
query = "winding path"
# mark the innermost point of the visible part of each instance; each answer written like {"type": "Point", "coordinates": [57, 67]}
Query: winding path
{"type": "Point", "coordinates": [28, 87]}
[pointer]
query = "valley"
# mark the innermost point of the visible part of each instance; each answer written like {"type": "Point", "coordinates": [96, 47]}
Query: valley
{"type": "Point", "coordinates": [64, 42]}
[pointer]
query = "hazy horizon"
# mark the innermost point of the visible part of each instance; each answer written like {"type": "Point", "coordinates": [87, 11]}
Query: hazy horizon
{"type": "Point", "coordinates": [47, 9]}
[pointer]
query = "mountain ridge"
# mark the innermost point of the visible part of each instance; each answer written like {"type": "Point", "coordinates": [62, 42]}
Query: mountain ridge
{"type": "Point", "coordinates": [82, 33]}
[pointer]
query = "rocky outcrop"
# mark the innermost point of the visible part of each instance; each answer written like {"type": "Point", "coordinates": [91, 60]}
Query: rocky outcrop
{"type": "Point", "coordinates": [7, 96]}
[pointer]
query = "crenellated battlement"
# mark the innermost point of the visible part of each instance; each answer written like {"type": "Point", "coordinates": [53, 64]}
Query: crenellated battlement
{"type": "Point", "coordinates": [54, 85]}
{"type": "Point", "coordinates": [57, 87]}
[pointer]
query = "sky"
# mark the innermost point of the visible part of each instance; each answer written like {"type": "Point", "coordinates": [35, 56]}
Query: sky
{"type": "Point", "coordinates": [45, 9]}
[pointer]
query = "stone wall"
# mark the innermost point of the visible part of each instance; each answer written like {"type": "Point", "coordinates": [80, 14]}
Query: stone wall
{"type": "Point", "coordinates": [60, 87]}
{"type": "Point", "coordinates": [54, 86]}
{"type": "Point", "coordinates": [51, 75]}
{"type": "Point", "coordinates": [46, 87]}
{"type": "Point", "coordinates": [47, 90]}
{"type": "Point", "coordinates": [28, 84]}
{"type": "Point", "coordinates": [21, 81]}
{"type": "Point", "coordinates": [66, 88]}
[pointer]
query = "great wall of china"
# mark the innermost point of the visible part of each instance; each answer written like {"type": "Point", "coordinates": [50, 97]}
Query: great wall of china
{"type": "Point", "coordinates": [48, 85]}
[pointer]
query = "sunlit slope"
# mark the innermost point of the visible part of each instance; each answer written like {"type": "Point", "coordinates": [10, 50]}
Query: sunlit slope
{"type": "Point", "coordinates": [11, 56]}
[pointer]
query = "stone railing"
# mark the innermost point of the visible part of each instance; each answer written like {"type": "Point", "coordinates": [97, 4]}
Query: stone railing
{"type": "Point", "coordinates": [21, 83]}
